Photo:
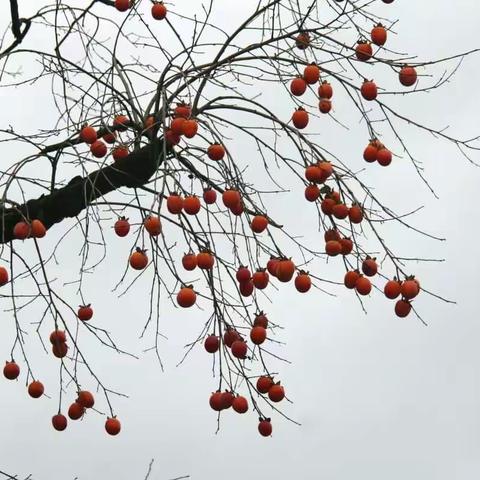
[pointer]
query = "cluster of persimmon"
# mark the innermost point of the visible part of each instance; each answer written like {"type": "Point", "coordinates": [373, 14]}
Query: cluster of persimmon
{"type": "Point", "coordinates": [36, 389]}
{"type": "Point", "coordinates": [98, 147]}
{"type": "Point", "coordinates": [180, 125]}
{"type": "Point", "coordinates": [407, 290]}
{"type": "Point", "coordinates": [234, 341]}
{"type": "Point", "coordinates": [375, 151]}
{"type": "Point", "coordinates": [25, 229]}
{"type": "Point", "coordinates": [311, 75]}
{"type": "Point", "coordinates": [159, 10]}
{"type": "Point", "coordinates": [298, 86]}
{"type": "Point", "coordinates": [316, 174]}
{"type": "Point", "coordinates": [364, 52]}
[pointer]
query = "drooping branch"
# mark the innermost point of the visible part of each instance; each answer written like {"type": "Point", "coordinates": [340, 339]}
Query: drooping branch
{"type": "Point", "coordinates": [66, 202]}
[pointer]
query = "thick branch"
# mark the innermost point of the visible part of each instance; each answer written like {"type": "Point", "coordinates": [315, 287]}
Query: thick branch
{"type": "Point", "coordinates": [132, 171]}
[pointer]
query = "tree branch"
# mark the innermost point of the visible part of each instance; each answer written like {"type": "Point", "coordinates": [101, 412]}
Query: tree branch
{"type": "Point", "coordinates": [132, 171]}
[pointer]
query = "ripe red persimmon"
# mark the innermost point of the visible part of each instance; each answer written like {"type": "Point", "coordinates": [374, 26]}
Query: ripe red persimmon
{"type": "Point", "coordinates": [243, 274]}
{"type": "Point", "coordinates": [325, 105]}
{"type": "Point", "coordinates": [327, 206]}
{"type": "Point", "coordinates": [58, 336]}
{"type": "Point", "coordinates": [300, 118]}
{"type": "Point", "coordinates": [138, 260]}
{"type": "Point", "coordinates": [85, 313]}
{"type": "Point", "coordinates": [59, 422]}
{"type": "Point", "coordinates": [186, 297]}
{"type": "Point", "coordinates": [314, 174]}
{"type": "Point", "coordinates": [182, 110]}
{"type": "Point", "coordinates": [75, 411]}
{"type": "Point", "coordinates": [298, 86]}
{"type": "Point", "coordinates": [205, 260]}
{"type": "Point", "coordinates": [122, 5]}
{"type": "Point", "coordinates": [159, 11]}
{"type": "Point", "coordinates": [215, 401]}
{"type": "Point", "coordinates": [384, 157]}
{"type": "Point", "coordinates": [231, 198]}
{"type": "Point", "coordinates": [265, 428]}
{"type": "Point", "coordinates": [363, 51]}
{"type": "Point", "coordinates": [121, 122]}
{"type": "Point", "coordinates": [189, 261]}
{"type": "Point", "coordinates": [212, 344]}
{"type": "Point", "coordinates": [60, 350]}
{"type": "Point", "coordinates": [36, 389]}
{"type": "Point", "coordinates": [378, 35]}
{"type": "Point", "coordinates": [120, 152]}
{"type": "Point", "coordinates": [216, 151]}
{"type": "Point", "coordinates": [86, 399]}
{"type": "Point", "coordinates": [363, 285]}
{"type": "Point", "coordinates": [37, 229]}
{"type": "Point", "coordinates": [272, 265]}
{"type": "Point", "coordinates": [340, 211]}
{"type": "Point", "coordinates": [392, 289]}
{"type": "Point", "coordinates": [209, 196]}
{"type": "Point", "coordinates": [190, 128]}
{"type": "Point", "coordinates": [355, 214]}
{"type": "Point", "coordinates": [407, 76]}
{"type": "Point", "coordinates": [239, 349]}
{"type": "Point", "coordinates": [369, 267]}
{"type": "Point", "coordinates": [230, 335]}
{"type": "Point", "coordinates": [333, 248]}
{"type": "Point", "coordinates": [110, 137]}
{"type": "Point", "coordinates": [21, 230]}
{"type": "Point", "coordinates": [264, 384]}
{"type": "Point", "coordinates": [191, 205]}
{"type": "Point", "coordinates": [276, 393]}
{"type": "Point", "coordinates": [246, 288]}
{"type": "Point", "coordinates": [3, 276]}
{"type": "Point", "coordinates": [113, 426]}
{"type": "Point", "coordinates": [260, 279]}
{"type": "Point", "coordinates": [259, 223]}
{"type": "Point", "coordinates": [122, 227]}
{"type": "Point", "coordinates": [88, 134]}
{"type": "Point", "coordinates": [370, 152]}
{"type": "Point", "coordinates": [171, 137]}
{"type": "Point", "coordinates": [258, 335]}
{"type": "Point", "coordinates": [285, 270]}
{"type": "Point", "coordinates": [176, 125]}
{"type": "Point", "coordinates": [350, 279]}
{"type": "Point", "coordinates": [410, 289]}
{"type": "Point", "coordinates": [98, 149]}
{"type": "Point", "coordinates": [174, 204]}
{"type": "Point", "coordinates": [325, 90]}
{"type": "Point", "coordinates": [347, 246]}
{"type": "Point", "coordinates": [302, 41]}
{"type": "Point", "coordinates": [332, 234]}
{"type": "Point", "coordinates": [403, 308]}
{"type": "Point", "coordinates": [261, 320]}
{"type": "Point", "coordinates": [227, 400]}
{"type": "Point", "coordinates": [312, 193]}
{"type": "Point", "coordinates": [369, 90]}
{"type": "Point", "coordinates": [311, 73]}
{"type": "Point", "coordinates": [240, 404]}
{"type": "Point", "coordinates": [11, 370]}
{"type": "Point", "coordinates": [153, 225]}
{"type": "Point", "coordinates": [303, 282]}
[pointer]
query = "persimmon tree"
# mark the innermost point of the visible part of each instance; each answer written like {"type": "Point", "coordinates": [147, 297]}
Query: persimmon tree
{"type": "Point", "coordinates": [162, 135]}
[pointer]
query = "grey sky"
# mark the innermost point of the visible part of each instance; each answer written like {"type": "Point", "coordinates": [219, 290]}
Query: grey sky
{"type": "Point", "coordinates": [378, 397]}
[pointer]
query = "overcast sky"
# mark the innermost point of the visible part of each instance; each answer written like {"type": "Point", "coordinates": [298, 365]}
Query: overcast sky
{"type": "Point", "coordinates": [378, 397]}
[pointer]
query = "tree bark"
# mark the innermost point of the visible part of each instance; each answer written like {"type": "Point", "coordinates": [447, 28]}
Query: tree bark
{"type": "Point", "coordinates": [133, 171]}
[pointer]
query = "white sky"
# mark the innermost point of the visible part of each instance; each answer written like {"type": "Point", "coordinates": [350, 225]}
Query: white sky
{"type": "Point", "coordinates": [377, 397]}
